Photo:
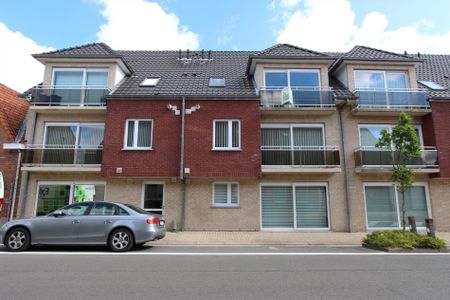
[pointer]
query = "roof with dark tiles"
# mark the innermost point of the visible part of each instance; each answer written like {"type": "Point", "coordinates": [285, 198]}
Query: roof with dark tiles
{"type": "Point", "coordinates": [12, 111]}
{"type": "Point", "coordinates": [88, 50]}
{"type": "Point", "coordinates": [283, 50]}
{"type": "Point", "coordinates": [435, 68]}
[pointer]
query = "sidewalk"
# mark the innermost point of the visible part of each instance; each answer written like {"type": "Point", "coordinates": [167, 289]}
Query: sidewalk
{"type": "Point", "coordinates": [219, 238]}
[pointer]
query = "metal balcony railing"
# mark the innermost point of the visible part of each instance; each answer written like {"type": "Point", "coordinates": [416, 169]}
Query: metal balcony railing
{"type": "Point", "coordinates": [392, 99]}
{"type": "Point", "coordinates": [62, 155]}
{"type": "Point", "coordinates": [275, 97]}
{"type": "Point", "coordinates": [69, 96]}
{"type": "Point", "coordinates": [307, 156]}
{"type": "Point", "coordinates": [375, 157]}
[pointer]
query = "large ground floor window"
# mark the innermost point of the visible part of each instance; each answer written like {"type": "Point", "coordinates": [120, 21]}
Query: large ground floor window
{"type": "Point", "coordinates": [384, 205]}
{"type": "Point", "coordinates": [294, 206]}
{"type": "Point", "coordinates": [53, 195]}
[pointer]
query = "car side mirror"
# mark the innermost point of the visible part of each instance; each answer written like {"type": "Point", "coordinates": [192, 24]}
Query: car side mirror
{"type": "Point", "coordinates": [58, 213]}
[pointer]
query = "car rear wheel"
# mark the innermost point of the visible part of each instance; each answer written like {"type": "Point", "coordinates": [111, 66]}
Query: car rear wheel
{"type": "Point", "coordinates": [121, 240]}
{"type": "Point", "coordinates": [18, 239]}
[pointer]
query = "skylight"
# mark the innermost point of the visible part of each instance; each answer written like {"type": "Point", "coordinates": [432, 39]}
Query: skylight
{"type": "Point", "coordinates": [150, 81]}
{"type": "Point", "coordinates": [432, 85]}
{"type": "Point", "coordinates": [217, 82]}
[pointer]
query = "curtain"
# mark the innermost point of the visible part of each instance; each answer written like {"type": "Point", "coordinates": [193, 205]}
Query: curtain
{"type": "Point", "coordinates": [234, 193]}
{"type": "Point", "coordinates": [381, 207]}
{"type": "Point", "coordinates": [311, 207]}
{"type": "Point", "coordinates": [276, 137]}
{"type": "Point", "coordinates": [416, 204]}
{"type": "Point", "coordinates": [144, 134]}
{"type": "Point", "coordinates": [130, 133]}
{"type": "Point", "coordinates": [277, 207]}
{"type": "Point", "coordinates": [235, 138]}
{"type": "Point", "coordinates": [91, 136]}
{"type": "Point", "coordinates": [308, 137]}
{"type": "Point", "coordinates": [220, 193]}
{"type": "Point", "coordinates": [221, 134]}
{"type": "Point", "coordinates": [63, 138]}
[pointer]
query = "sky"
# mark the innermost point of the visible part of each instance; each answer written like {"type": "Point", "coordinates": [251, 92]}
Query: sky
{"type": "Point", "coordinates": [36, 26]}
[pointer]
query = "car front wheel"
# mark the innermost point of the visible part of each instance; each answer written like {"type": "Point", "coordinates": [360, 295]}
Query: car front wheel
{"type": "Point", "coordinates": [121, 240]}
{"type": "Point", "coordinates": [18, 239]}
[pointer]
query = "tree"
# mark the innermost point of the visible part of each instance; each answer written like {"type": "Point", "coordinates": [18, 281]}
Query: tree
{"type": "Point", "coordinates": [403, 145]}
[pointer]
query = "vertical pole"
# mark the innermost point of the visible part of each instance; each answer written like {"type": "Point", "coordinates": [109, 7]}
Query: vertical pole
{"type": "Point", "coordinates": [16, 182]}
{"type": "Point", "coordinates": [183, 180]}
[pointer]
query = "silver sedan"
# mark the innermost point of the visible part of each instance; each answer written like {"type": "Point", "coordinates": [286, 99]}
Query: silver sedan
{"type": "Point", "coordinates": [120, 226]}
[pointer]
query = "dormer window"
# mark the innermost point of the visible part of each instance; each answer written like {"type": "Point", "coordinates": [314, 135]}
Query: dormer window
{"type": "Point", "coordinates": [293, 78]}
{"type": "Point", "coordinates": [217, 82]}
{"type": "Point", "coordinates": [80, 78]}
{"type": "Point", "coordinates": [150, 81]}
{"type": "Point", "coordinates": [380, 80]}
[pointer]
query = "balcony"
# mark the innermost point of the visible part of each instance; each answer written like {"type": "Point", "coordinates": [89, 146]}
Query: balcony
{"type": "Point", "coordinates": [300, 159]}
{"type": "Point", "coordinates": [75, 99]}
{"type": "Point", "coordinates": [391, 102]}
{"type": "Point", "coordinates": [62, 158]}
{"type": "Point", "coordinates": [371, 159]}
{"type": "Point", "coordinates": [297, 100]}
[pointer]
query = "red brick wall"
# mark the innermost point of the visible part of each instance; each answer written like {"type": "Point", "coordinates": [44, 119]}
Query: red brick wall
{"type": "Point", "coordinates": [437, 133]}
{"type": "Point", "coordinates": [163, 160]}
{"type": "Point", "coordinates": [199, 140]}
{"type": "Point", "coordinates": [8, 161]}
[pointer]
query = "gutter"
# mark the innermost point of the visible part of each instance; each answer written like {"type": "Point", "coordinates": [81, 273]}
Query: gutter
{"type": "Point", "coordinates": [182, 177]}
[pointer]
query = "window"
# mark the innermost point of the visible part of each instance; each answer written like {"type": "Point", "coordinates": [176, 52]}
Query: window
{"type": "Point", "coordinates": [384, 205]}
{"type": "Point", "coordinates": [302, 206]}
{"type": "Point", "coordinates": [295, 78]}
{"type": "Point", "coordinates": [369, 134]}
{"type": "Point", "coordinates": [78, 209]}
{"type": "Point", "coordinates": [138, 134]}
{"type": "Point", "coordinates": [227, 135]}
{"type": "Point", "coordinates": [432, 85]}
{"type": "Point", "coordinates": [150, 81]}
{"type": "Point", "coordinates": [217, 82]}
{"type": "Point", "coordinates": [153, 197]}
{"type": "Point", "coordinates": [226, 194]}
{"type": "Point", "coordinates": [371, 79]}
{"type": "Point", "coordinates": [73, 143]}
{"type": "Point", "coordinates": [54, 195]}
{"type": "Point", "coordinates": [106, 209]}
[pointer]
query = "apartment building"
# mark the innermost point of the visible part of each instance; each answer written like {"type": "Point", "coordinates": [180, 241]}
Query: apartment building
{"type": "Point", "coordinates": [281, 139]}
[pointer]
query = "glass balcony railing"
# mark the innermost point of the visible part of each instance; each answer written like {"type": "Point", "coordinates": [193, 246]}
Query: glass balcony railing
{"type": "Point", "coordinates": [62, 155]}
{"type": "Point", "coordinates": [307, 156]}
{"type": "Point", "coordinates": [58, 96]}
{"type": "Point", "coordinates": [272, 97]}
{"type": "Point", "coordinates": [375, 157]}
{"type": "Point", "coordinates": [392, 98]}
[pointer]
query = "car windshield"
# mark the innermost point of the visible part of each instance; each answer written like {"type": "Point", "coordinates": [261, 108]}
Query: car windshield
{"type": "Point", "coordinates": [137, 209]}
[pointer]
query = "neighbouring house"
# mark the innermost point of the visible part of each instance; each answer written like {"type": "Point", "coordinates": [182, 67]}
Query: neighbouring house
{"type": "Point", "coordinates": [280, 139]}
{"type": "Point", "coordinates": [13, 110]}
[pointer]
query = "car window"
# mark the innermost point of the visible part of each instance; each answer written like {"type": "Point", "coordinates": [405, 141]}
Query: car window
{"type": "Point", "coordinates": [137, 209]}
{"type": "Point", "coordinates": [75, 209]}
{"type": "Point", "coordinates": [106, 209]}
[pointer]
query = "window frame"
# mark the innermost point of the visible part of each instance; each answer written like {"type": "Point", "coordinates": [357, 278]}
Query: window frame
{"type": "Point", "coordinates": [163, 197]}
{"type": "Point", "coordinates": [68, 124]}
{"type": "Point", "coordinates": [288, 71]}
{"type": "Point", "coordinates": [84, 78]}
{"type": "Point", "coordinates": [72, 189]}
{"type": "Point", "coordinates": [229, 204]}
{"type": "Point", "coordinates": [389, 126]}
{"type": "Point", "coordinates": [399, 212]}
{"type": "Point", "coordinates": [229, 137]}
{"type": "Point", "coordinates": [291, 127]}
{"type": "Point", "coordinates": [135, 135]}
{"type": "Point", "coordinates": [384, 72]}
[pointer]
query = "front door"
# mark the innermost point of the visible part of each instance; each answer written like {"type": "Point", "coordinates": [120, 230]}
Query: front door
{"type": "Point", "coordinates": [153, 197]}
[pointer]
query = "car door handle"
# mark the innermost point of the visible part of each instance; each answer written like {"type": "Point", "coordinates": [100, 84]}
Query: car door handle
{"type": "Point", "coordinates": [108, 222]}
{"type": "Point", "coordinates": [75, 221]}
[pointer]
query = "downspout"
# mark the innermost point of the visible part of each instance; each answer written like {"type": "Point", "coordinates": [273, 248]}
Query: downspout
{"type": "Point", "coordinates": [16, 182]}
{"type": "Point", "coordinates": [183, 179]}
{"type": "Point", "coordinates": [29, 118]}
{"type": "Point", "coordinates": [346, 179]}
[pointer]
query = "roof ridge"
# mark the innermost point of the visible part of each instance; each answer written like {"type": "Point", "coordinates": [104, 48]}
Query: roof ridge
{"type": "Point", "coordinates": [290, 46]}
{"type": "Point", "coordinates": [101, 44]}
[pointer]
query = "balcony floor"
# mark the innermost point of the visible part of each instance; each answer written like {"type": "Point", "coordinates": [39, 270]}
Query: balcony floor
{"type": "Point", "coordinates": [297, 111]}
{"type": "Point", "coordinates": [367, 111]}
{"type": "Point", "coordinates": [69, 110]}
{"type": "Point", "coordinates": [300, 169]}
{"type": "Point", "coordinates": [386, 169]}
{"type": "Point", "coordinates": [65, 168]}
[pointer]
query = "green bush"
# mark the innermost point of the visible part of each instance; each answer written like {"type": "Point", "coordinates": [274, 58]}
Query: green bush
{"type": "Point", "coordinates": [404, 240]}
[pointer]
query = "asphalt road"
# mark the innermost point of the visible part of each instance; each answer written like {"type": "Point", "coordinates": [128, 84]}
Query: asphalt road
{"type": "Point", "coordinates": [222, 273]}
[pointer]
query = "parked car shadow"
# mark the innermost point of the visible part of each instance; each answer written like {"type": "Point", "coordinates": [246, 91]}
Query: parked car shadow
{"type": "Point", "coordinates": [84, 248]}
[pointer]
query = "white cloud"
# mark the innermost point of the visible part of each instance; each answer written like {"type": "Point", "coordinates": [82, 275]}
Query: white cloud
{"type": "Point", "coordinates": [18, 69]}
{"type": "Point", "coordinates": [225, 36]}
{"type": "Point", "coordinates": [329, 25]}
{"type": "Point", "coordinates": [289, 3]}
{"type": "Point", "coordinates": [143, 25]}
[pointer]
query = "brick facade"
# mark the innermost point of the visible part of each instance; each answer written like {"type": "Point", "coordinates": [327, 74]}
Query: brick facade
{"type": "Point", "coordinates": [8, 161]}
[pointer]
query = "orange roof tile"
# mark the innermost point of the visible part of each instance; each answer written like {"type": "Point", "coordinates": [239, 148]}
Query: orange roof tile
{"type": "Point", "coordinates": [12, 111]}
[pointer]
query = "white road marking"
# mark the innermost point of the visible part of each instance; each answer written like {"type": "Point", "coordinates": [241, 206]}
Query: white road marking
{"type": "Point", "coordinates": [229, 253]}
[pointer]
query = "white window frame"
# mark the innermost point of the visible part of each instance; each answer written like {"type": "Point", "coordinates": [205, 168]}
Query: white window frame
{"type": "Point", "coordinates": [162, 210]}
{"type": "Point", "coordinates": [135, 135]}
{"type": "Point", "coordinates": [384, 72]}
{"type": "Point", "coordinates": [72, 187]}
{"type": "Point", "coordinates": [77, 124]}
{"type": "Point", "coordinates": [288, 71]}
{"type": "Point", "coordinates": [228, 204]}
{"type": "Point", "coordinates": [291, 127]}
{"type": "Point", "coordinates": [399, 220]}
{"type": "Point", "coordinates": [293, 185]}
{"type": "Point", "coordinates": [389, 127]}
{"type": "Point", "coordinates": [230, 135]}
{"type": "Point", "coordinates": [84, 79]}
